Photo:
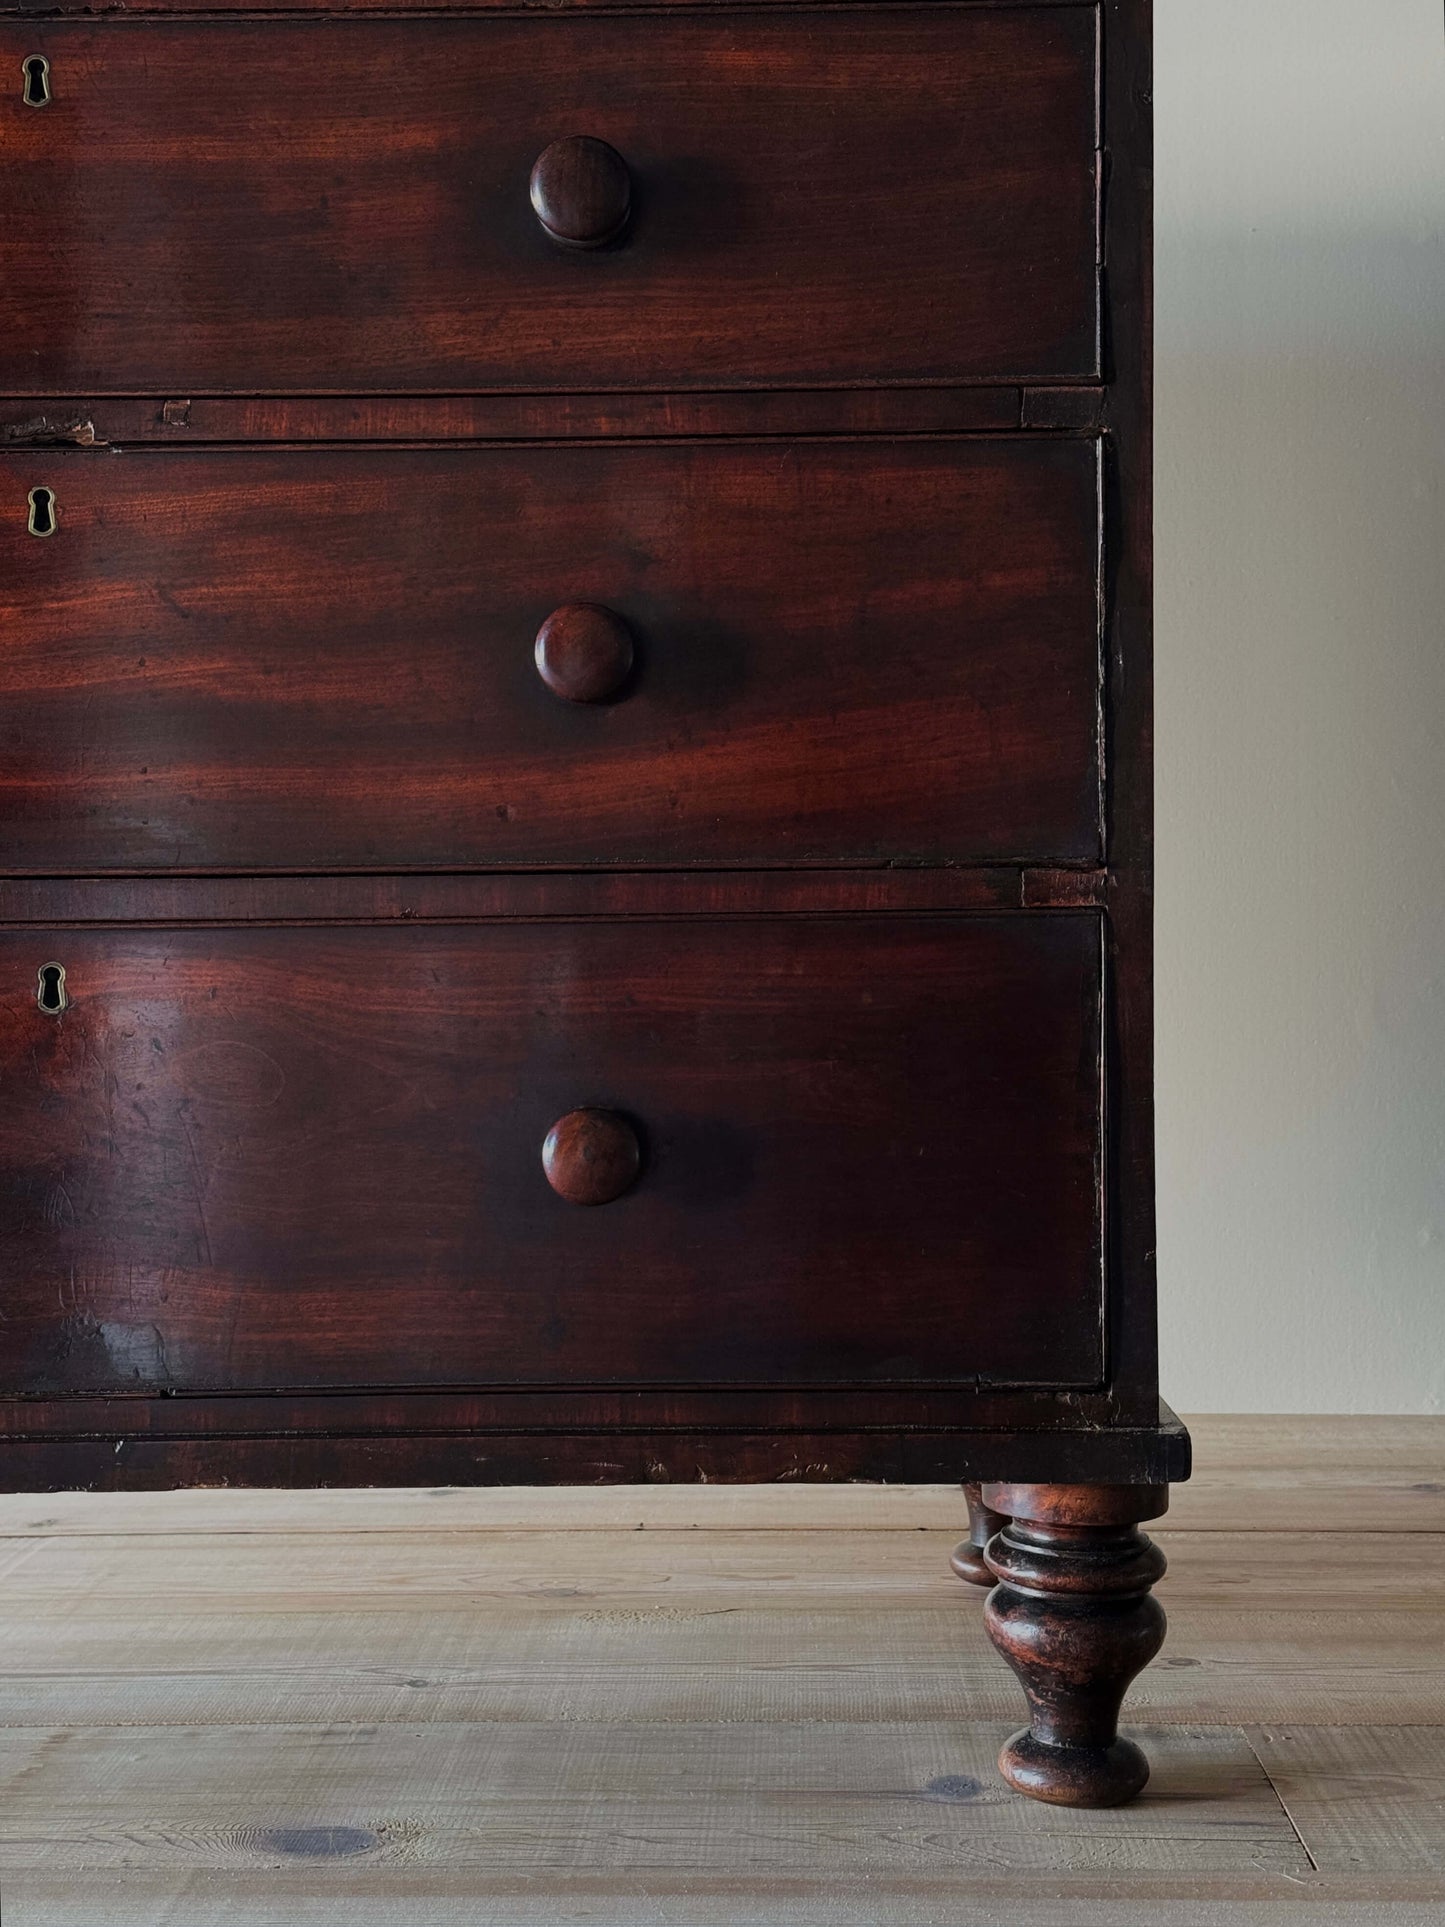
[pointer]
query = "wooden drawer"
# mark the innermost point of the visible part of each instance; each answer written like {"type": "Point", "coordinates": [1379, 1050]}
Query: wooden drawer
{"type": "Point", "coordinates": [337, 205]}
{"type": "Point", "coordinates": [289, 1157]}
{"type": "Point", "coordinates": [842, 652]}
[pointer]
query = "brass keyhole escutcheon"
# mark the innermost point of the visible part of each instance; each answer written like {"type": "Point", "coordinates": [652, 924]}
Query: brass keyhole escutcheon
{"type": "Point", "coordinates": [36, 69]}
{"type": "Point", "coordinates": [42, 511]}
{"type": "Point", "coordinates": [51, 995]}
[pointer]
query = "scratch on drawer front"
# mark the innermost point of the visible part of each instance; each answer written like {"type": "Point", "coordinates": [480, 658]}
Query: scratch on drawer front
{"type": "Point", "coordinates": [38, 430]}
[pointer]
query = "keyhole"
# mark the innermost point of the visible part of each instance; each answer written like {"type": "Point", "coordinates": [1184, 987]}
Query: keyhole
{"type": "Point", "coordinates": [42, 511]}
{"type": "Point", "coordinates": [51, 995]}
{"type": "Point", "coordinates": [37, 80]}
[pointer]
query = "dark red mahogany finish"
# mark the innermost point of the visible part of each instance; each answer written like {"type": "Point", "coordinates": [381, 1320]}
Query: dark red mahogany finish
{"type": "Point", "coordinates": [581, 192]}
{"type": "Point", "coordinates": [348, 205]}
{"type": "Point", "coordinates": [358, 686]}
{"type": "Point", "coordinates": [1073, 1615]}
{"type": "Point", "coordinates": [592, 1157]}
{"type": "Point", "coordinates": [328, 1168]}
{"type": "Point", "coordinates": [575, 758]}
{"type": "Point", "coordinates": [584, 652]}
{"type": "Point", "coordinates": [968, 1557]}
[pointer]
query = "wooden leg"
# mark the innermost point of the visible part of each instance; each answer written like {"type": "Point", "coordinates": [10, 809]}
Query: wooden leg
{"type": "Point", "coordinates": [967, 1560]}
{"type": "Point", "coordinates": [1073, 1616]}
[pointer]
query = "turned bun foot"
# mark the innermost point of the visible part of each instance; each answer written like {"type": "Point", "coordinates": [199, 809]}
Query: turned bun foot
{"type": "Point", "coordinates": [1073, 1616]}
{"type": "Point", "coordinates": [1073, 1776]}
{"type": "Point", "coordinates": [968, 1560]}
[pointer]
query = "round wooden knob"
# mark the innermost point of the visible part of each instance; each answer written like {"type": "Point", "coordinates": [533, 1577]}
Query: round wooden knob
{"type": "Point", "coordinates": [591, 1157]}
{"type": "Point", "coordinates": [581, 191]}
{"type": "Point", "coordinates": [584, 652]}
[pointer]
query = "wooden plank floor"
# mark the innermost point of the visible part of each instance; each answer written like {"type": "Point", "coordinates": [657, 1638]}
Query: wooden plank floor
{"type": "Point", "coordinates": [709, 1707]}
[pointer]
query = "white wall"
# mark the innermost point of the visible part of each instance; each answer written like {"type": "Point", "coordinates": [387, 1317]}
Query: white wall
{"type": "Point", "coordinates": [1301, 703]}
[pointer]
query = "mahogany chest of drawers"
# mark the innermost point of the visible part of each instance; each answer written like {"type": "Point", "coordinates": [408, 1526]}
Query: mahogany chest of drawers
{"type": "Point", "coordinates": [575, 755]}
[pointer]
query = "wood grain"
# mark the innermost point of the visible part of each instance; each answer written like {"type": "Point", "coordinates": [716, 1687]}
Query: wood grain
{"type": "Point", "coordinates": [423, 1571]}
{"type": "Point", "coordinates": [382, 898]}
{"type": "Point", "coordinates": [581, 191]}
{"type": "Point", "coordinates": [125, 1451]}
{"type": "Point", "coordinates": [14, 8]}
{"type": "Point", "coordinates": [1255, 1475]}
{"type": "Point", "coordinates": [841, 167]}
{"type": "Point", "coordinates": [331, 1894]}
{"type": "Point", "coordinates": [721, 1655]}
{"type": "Point", "coordinates": [510, 1801]}
{"type": "Point", "coordinates": [796, 188]}
{"type": "Point", "coordinates": [259, 1159]}
{"type": "Point", "coordinates": [1074, 1615]}
{"type": "Point", "coordinates": [315, 1707]}
{"type": "Point", "coordinates": [1128, 242]}
{"type": "Point", "coordinates": [100, 420]}
{"type": "Point", "coordinates": [310, 660]}
{"type": "Point", "coordinates": [1271, 1473]}
{"type": "Point", "coordinates": [1367, 1800]}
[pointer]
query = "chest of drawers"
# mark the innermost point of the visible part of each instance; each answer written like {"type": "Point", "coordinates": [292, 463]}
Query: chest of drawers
{"type": "Point", "coordinates": [575, 754]}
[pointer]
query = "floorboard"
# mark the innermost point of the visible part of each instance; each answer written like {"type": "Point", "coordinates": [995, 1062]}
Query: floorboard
{"type": "Point", "coordinates": [1369, 1800]}
{"type": "Point", "coordinates": [302, 1895]}
{"type": "Point", "coordinates": [709, 1707]}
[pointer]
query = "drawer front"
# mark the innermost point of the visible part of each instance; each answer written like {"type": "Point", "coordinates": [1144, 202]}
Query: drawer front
{"type": "Point", "coordinates": [287, 1157]}
{"type": "Point", "coordinates": [332, 206]}
{"type": "Point", "coordinates": [840, 652]}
